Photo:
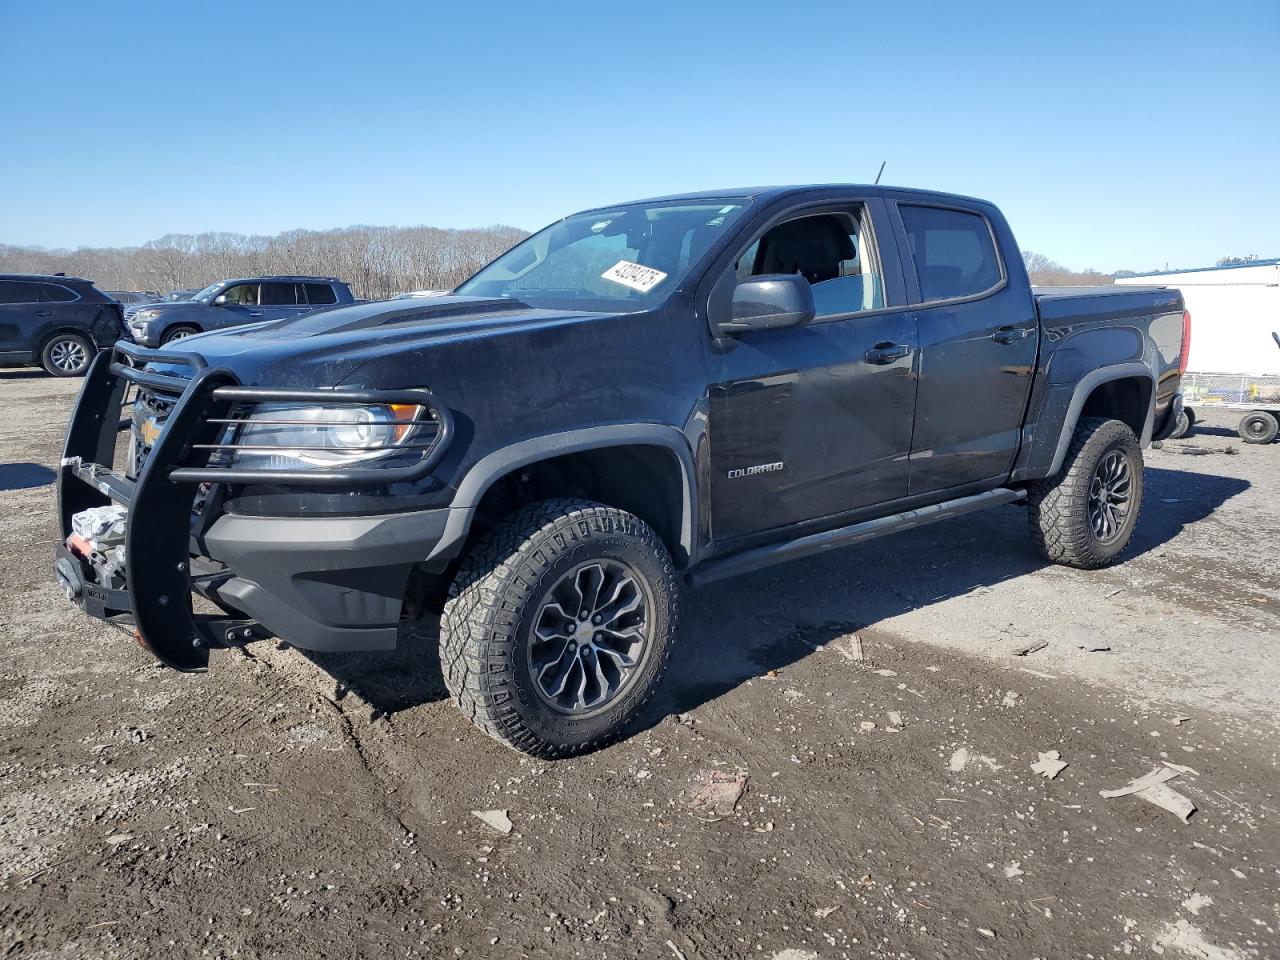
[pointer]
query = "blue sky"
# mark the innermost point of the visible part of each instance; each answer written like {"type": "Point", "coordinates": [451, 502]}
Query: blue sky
{"type": "Point", "coordinates": [1112, 134]}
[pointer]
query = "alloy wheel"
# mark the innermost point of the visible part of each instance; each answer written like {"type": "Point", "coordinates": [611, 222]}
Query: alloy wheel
{"type": "Point", "coordinates": [1110, 496]}
{"type": "Point", "coordinates": [69, 355]}
{"type": "Point", "coordinates": [590, 636]}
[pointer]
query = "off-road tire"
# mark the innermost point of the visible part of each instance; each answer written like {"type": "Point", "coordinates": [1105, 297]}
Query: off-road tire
{"type": "Point", "coordinates": [487, 622]}
{"type": "Point", "coordinates": [1258, 427]}
{"type": "Point", "coordinates": [1059, 505]}
{"type": "Point", "coordinates": [179, 332]}
{"type": "Point", "coordinates": [67, 345]}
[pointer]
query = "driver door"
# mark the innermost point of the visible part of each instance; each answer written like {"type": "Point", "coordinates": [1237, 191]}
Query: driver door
{"type": "Point", "coordinates": [811, 422]}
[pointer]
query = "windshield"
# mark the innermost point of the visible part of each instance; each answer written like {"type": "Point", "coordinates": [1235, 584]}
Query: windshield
{"type": "Point", "coordinates": [629, 258]}
{"type": "Point", "coordinates": [207, 294]}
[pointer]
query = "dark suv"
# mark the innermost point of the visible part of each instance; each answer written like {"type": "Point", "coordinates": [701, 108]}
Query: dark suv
{"type": "Point", "coordinates": [56, 322]}
{"type": "Point", "coordinates": [230, 303]}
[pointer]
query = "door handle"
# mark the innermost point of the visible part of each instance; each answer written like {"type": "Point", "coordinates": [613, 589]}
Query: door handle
{"type": "Point", "coordinates": [1009, 334]}
{"type": "Point", "coordinates": [887, 352]}
{"type": "Point", "coordinates": [255, 313]}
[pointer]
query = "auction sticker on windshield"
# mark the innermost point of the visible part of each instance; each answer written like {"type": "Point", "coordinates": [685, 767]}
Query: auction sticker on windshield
{"type": "Point", "coordinates": [634, 275]}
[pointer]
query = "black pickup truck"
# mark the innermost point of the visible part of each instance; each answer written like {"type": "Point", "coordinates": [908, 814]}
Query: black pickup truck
{"type": "Point", "coordinates": [636, 399]}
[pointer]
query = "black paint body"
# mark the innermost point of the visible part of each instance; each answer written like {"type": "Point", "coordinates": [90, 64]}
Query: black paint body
{"type": "Point", "coordinates": [761, 437]}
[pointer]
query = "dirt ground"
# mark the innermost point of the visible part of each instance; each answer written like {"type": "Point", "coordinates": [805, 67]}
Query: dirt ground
{"type": "Point", "coordinates": [285, 807]}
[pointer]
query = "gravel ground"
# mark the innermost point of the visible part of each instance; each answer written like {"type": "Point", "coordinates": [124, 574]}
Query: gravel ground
{"type": "Point", "coordinates": [281, 806]}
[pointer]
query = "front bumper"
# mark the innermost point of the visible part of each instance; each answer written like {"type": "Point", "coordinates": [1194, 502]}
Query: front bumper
{"type": "Point", "coordinates": [321, 583]}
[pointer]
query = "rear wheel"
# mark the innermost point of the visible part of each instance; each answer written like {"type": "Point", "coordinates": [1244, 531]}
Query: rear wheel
{"type": "Point", "coordinates": [559, 625]}
{"type": "Point", "coordinates": [1258, 427]}
{"type": "Point", "coordinates": [178, 333]}
{"type": "Point", "coordinates": [1182, 427]}
{"type": "Point", "coordinates": [67, 354]}
{"type": "Point", "coordinates": [1085, 516]}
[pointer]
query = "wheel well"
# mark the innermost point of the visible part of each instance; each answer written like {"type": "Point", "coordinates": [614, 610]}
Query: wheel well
{"type": "Point", "coordinates": [641, 479]}
{"type": "Point", "coordinates": [180, 325]}
{"type": "Point", "coordinates": [1126, 399]}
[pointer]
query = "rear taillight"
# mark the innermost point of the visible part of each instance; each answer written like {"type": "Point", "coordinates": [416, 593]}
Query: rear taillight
{"type": "Point", "coordinates": [1186, 342]}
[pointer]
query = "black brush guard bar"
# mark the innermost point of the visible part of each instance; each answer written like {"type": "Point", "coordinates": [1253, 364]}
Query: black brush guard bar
{"type": "Point", "coordinates": [159, 501]}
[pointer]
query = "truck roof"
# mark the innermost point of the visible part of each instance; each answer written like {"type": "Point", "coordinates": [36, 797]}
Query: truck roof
{"type": "Point", "coordinates": [778, 192]}
{"type": "Point", "coordinates": [280, 276]}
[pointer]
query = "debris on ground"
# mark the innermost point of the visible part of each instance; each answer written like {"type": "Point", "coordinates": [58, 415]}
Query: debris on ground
{"type": "Point", "coordinates": [1178, 721]}
{"type": "Point", "coordinates": [851, 648]}
{"type": "Point", "coordinates": [1014, 869]}
{"type": "Point", "coordinates": [989, 934]}
{"type": "Point", "coordinates": [866, 726]}
{"type": "Point", "coordinates": [886, 673]}
{"type": "Point", "coordinates": [895, 719]}
{"type": "Point", "coordinates": [1010, 699]}
{"type": "Point", "coordinates": [964, 757]}
{"type": "Point", "coordinates": [1049, 764]}
{"type": "Point", "coordinates": [497, 819]}
{"type": "Point", "coordinates": [1096, 646]}
{"type": "Point", "coordinates": [716, 795]}
{"type": "Point", "coordinates": [1032, 647]}
{"type": "Point", "coordinates": [823, 912]}
{"type": "Point", "coordinates": [1151, 787]}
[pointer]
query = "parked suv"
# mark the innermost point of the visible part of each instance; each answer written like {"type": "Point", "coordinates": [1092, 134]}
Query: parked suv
{"type": "Point", "coordinates": [230, 303]}
{"type": "Point", "coordinates": [56, 322]}
{"type": "Point", "coordinates": [639, 398]}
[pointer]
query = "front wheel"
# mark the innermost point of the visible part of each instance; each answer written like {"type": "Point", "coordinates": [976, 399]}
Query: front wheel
{"type": "Point", "coordinates": [177, 333]}
{"type": "Point", "coordinates": [67, 355]}
{"type": "Point", "coordinates": [1258, 427]}
{"type": "Point", "coordinates": [559, 626]}
{"type": "Point", "coordinates": [1085, 516]}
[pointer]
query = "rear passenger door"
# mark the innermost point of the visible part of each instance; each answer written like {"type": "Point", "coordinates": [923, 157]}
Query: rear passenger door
{"type": "Point", "coordinates": [282, 300]}
{"type": "Point", "coordinates": [978, 343]}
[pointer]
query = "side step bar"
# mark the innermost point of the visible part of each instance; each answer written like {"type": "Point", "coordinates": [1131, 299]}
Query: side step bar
{"type": "Point", "coordinates": [759, 557]}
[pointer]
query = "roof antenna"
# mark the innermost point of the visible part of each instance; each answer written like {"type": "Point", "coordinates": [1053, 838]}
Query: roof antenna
{"type": "Point", "coordinates": [882, 163]}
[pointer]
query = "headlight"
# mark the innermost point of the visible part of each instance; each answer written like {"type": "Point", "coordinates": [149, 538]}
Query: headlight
{"type": "Point", "coordinates": [282, 436]}
{"type": "Point", "coordinates": [142, 316]}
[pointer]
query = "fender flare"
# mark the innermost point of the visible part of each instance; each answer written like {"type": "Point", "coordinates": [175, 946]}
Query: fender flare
{"type": "Point", "coordinates": [488, 469]}
{"type": "Point", "coordinates": [1087, 384]}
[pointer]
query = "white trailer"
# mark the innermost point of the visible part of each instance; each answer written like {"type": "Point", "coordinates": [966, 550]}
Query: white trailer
{"type": "Point", "coordinates": [1234, 363]}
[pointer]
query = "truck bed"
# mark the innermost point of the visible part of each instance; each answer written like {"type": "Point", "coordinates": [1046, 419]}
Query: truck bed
{"type": "Point", "coordinates": [1060, 304]}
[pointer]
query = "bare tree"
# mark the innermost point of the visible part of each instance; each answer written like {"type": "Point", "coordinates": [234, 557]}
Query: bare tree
{"type": "Point", "coordinates": [377, 261]}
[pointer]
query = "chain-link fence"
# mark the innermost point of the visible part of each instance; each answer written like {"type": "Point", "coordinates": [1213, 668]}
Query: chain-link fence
{"type": "Point", "coordinates": [1205, 389]}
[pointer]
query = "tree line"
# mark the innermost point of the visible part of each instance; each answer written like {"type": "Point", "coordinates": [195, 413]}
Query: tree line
{"type": "Point", "coordinates": [1048, 273]}
{"type": "Point", "coordinates": [378, 262]}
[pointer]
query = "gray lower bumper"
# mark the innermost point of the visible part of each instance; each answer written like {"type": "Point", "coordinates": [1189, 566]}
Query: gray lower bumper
{"type": "Point", "coordinates": [323, 583]}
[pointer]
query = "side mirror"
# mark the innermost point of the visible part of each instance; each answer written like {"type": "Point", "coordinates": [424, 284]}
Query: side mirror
{"type": "Point", "coordinates": [220, 300]}
{"type": "Point", "coordinates": [770, 302]}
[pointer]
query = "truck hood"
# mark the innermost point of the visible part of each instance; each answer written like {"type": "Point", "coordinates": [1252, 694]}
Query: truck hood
{"type": "Point", "coordinates": [325, 347]}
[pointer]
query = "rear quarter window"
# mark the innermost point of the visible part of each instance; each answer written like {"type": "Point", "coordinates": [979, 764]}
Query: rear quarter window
{"type": "Point", "coordinates": [319, 294]}
{"type": "Point", "coordinates": [57, 293]}
{"type": "Point", "coordinates": [953, 251]}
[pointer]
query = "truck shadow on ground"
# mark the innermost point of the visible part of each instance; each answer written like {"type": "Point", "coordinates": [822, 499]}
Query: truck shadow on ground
{"type": "Point", "coordinates": [739, 629]}
{"type": "Point", "coordinates": [23, 476]}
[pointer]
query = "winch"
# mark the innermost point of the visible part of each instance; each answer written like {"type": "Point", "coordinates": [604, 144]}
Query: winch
{"type": "Point", "coordinates": [97, 535]}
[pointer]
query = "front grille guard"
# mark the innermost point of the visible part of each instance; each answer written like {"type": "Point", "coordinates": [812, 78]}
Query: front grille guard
{"type": "Point", "coordinates": [159, 502]}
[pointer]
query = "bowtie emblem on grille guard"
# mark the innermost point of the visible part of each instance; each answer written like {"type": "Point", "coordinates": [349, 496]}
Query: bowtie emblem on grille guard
{"type": "Point", "coordinates": [150, 431]}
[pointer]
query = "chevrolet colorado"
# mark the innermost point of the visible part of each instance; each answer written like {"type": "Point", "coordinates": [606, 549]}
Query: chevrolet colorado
{"type": "Point", "coordinates": [636, 399]}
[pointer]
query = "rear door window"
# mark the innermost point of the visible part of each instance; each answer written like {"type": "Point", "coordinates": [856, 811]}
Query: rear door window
{"type": "Point", "coordinates": [19, 291]}
{"type": "Point", "coordinates": [953, 251]}
{"type": "Point", "coordinates": [320, 294]}
{"type": "Point", "coordinates": [280, 294]}
{"type": "Point", "coordinates": [57, 293]}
